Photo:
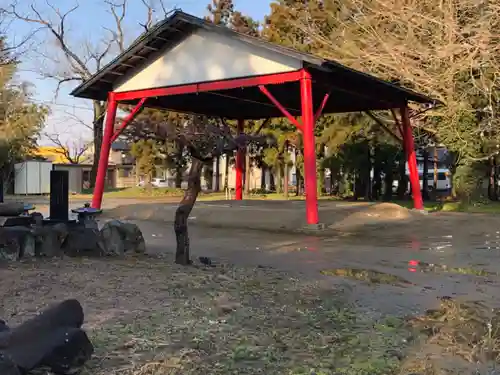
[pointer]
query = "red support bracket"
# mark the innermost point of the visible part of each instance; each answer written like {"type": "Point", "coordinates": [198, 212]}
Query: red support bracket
{"type": "Point", "coordinates": [319, 111]}
{"type": "Point", "coordinates": [100, 180]}
{"type": "Point", "coordinates": [128, 119]}
{"type": "Point", "coordinates": [238, 83]}
{"type": "Point", "coordinates": [283, 110]}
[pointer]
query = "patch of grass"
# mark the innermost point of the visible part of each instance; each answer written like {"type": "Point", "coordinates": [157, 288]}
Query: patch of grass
{"type": "Point", "coordinates": [140, 193]}
{"type": "Point", "coordinates": [369, 276]}
{"type": "Point", "coordinates": [148, 316]}
{"type": "Point", "coordinates": [467, 332]}
{"type": "Point", "coordinates": [450, 206]}
{"type": "Point", "coordinates": [428, 267]}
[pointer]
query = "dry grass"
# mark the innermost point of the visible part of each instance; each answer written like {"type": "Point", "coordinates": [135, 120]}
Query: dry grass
{"type": "Point", "coordinates": [147, 316]}
{"type": "Point", "coordinates": [460, 337]}
{"type": "Point", "coordinates": [366, 275]}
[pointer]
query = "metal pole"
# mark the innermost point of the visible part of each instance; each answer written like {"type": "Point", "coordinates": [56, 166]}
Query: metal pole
{"type": "Point", "coordinates": [105, 148]}
{"type": "Point", "coordinates": [309, 149]}
{"type": "Point", "coordinates": [412, 159]}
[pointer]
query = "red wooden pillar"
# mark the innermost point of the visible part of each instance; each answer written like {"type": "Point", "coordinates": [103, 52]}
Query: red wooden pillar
{"type": "Point", "coordinates": [240, 160]}
{"type": "Point", "coordinates": [309, 148]}
{"type": "Point", "coordinates": [411, 157]}
{"type": "Point", "coordinates": [106, 145]}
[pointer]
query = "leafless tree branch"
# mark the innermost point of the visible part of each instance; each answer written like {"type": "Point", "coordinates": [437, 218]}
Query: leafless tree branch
{"type": "Point", "coordinates": [118, 10]}
{"type": "Point", "coordinates": [149, 15]}
{"type": "Point", "coordinates": [58, 31]}
{"type": "Point", "coordinates": [73, 153]}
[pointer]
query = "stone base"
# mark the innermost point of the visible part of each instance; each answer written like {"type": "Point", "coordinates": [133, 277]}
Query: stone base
{"type": "Point", "coordinates": [422, 211]}
{"type": "Point", "coordinates": [314, 227]}
{"type": "Point", "coordinates": [54, 239]}
{"type": "Point", "coordinates": [16, 243]}
{"type": "Point", "coordinates": [120, 237]}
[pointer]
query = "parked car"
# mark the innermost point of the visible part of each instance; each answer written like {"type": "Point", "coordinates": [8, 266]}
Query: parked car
{"type": "Point", "coordinates": [156, 182]}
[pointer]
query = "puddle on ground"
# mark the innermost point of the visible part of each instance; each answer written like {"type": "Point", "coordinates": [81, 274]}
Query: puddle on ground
{"type": "Point", "coordinates": [430, 267]}
{"type": "Point", "coordinates": [366, 275]}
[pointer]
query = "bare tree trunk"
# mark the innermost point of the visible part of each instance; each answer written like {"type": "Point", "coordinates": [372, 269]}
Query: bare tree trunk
{"type": "Point", "coordinates": [178, 166]}
{"type": "Point", "coordinates": [279, 180]}
{"type": "Point", "coordinates": [137, 172]}
{"type": "Point", "coordinates": [298, 177]}
{"type": "Point", "coordinates": [495, 178]}
{"type": "Point", "coordinates": [492, 190]}
{"type": "Point", "coordinates": [285, 180]}
{"type": "Point", "coordinates": [367, 174]}
{"type": "Point", "coordinates": [98, 128]}
{"type": "Point", "coordinates": [217, 174]}
{"type": "Point", "coordinates": [182, 213]}
{"type": "Point", "coordinates": [263, 177]}
{"type": "Point", "coordinates": [247, 172]}
{"type": "Point", "coordinates": [435, 168]}
{"type": "Point", "coordinates": [403, 181]}
{"type": "Point", "coordinates": [425, 177]}
{"type": "Point", "coordinates": [388, 181]}
{"type": "Point", "coordinates": [226, 173]}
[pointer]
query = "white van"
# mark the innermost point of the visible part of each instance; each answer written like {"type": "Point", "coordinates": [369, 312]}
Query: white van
{"type": "Point", "coordinates": [443, 179]}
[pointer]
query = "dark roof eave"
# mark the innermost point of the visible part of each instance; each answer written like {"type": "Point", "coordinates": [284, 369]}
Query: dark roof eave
{"type": "Point", "coordinates": [314, 62]}
{"type": "Point", "coordinates": [146, 37]}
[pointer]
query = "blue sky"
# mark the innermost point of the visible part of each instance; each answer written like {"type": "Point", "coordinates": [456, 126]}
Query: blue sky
{"type": "Point", "coordinates": [86, 24]}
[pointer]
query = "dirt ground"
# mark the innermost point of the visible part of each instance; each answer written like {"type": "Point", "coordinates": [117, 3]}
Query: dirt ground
{"type": "Point", "coordinates": [417, 295]}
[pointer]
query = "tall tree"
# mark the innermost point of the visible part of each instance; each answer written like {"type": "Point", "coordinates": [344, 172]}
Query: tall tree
{"type": "Point", "coordinates": [77, 64]}
{"type": "Point", "coordinates": [174, 154]}
{"type": "Point", "coordinates": [223, 13]}
{"type": "Point", "coordinates": [447, 49]}
{"type": "Point", "coordinates": [203, 141]}
{"type": "Point", "coordinates": [21, 120]}
{"type": "Point", "coordinates": [146, 153]}
{"type": "Point", "coordinates": [73, 151]}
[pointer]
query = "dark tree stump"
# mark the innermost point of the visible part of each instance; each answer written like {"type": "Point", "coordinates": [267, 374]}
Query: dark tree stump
{"type": "Point", "coordinates": [7, 366]}
{"type": "Point", "coordinates": [16, 242]}
{"type": "Point", "coordinates": [182, 213]}
{"type": "Point", "coordinates": [11, 209]}
{"type": "Point", "coordinates": [31, 342]}
{"type": "Point", "coordinates": [73, 350]}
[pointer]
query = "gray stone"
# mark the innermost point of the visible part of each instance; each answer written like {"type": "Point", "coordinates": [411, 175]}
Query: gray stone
{"type": "Point", "coordinates": [83, 241]}
{"type": "Point", "coordinates": [11, 209]}
{"type": "Point", "coordinates": [314, 227]}
{"type": "Point", "coordinates": [16, 242]}
{"type": "Point", "coordinates": [121, 237]}
{"type": "Point", "coordinates": [50, 239]}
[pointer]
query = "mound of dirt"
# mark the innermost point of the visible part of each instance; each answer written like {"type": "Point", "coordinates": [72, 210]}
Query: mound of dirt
{"type": "Point", "coordinates": [378, 213]}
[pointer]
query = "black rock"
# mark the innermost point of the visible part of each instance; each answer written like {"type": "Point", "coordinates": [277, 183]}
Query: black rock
{"type": "Point", "coordinates": [3, 326]}
{"type": "Point", "coordinates": [73, 351]}
{"type": "Point", "coordinates": [205, 260]}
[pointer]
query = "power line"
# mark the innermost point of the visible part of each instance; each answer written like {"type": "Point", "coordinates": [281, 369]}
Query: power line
{"type": "Point", "coordinates": [61, 104]}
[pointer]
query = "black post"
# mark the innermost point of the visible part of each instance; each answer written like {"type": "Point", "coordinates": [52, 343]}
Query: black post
{"type": "Point", "coordinates": [1, 189]}
{"type": "Point", "coordinates": [59, 199]}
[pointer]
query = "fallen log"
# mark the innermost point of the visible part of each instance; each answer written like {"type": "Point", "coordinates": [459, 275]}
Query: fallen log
{"type": "Point", "coordinates": [42, 339]}
{"type": "Point", "coordinates": [73, 348]}
{"type": "Point", "coordinates": [7, 366]}
{"type": "Point", "coordinates": [11, 209]}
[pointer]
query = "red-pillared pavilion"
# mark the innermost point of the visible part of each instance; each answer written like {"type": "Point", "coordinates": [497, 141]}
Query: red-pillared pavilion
{"type": "Point", "coordinates": [186, 64]}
